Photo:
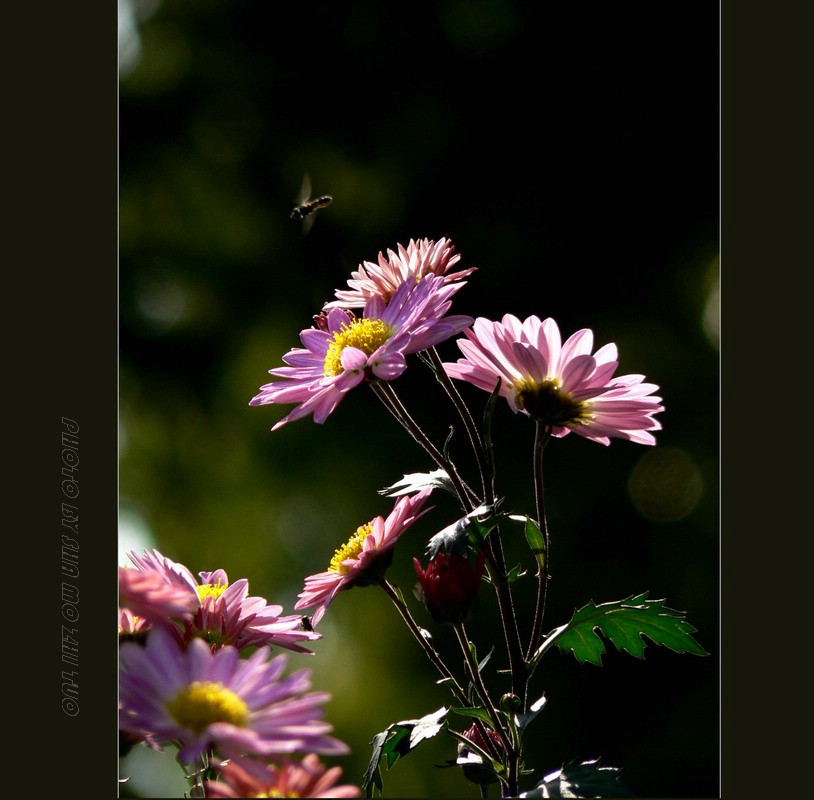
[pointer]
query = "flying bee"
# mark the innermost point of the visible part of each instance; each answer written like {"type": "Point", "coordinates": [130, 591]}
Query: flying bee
{"type": "Point", "coordinates": [306, 208]}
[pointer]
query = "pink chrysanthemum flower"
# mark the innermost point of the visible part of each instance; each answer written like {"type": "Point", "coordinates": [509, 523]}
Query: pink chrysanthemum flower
{"type": "Point", "coordinates": [131, 626]}
{"type": "Point", "coordinates": [364, 558]}
{"type": "Point", "coordinates": [224, 613]}
{"type": "Point", "coordinates": [202, 699]}
{"type": "Point", "coordinates": [149, 599]}
{"type": "Point", "coordinates": [561, 385]}
{"type": "Point", "coordinates": [347, 350]}
{"type": "Point", "coordinates": [419, 258]}
{"type": "Point", "coordinates": [245, 777]}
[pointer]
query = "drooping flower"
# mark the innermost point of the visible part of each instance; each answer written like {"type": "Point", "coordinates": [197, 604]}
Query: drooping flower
{"type": "Point", "coordinates": [201, 699]}
{"type": "Point", "coordinates": [344, 351]}
{"type": "Point", "coordinates": [364, 558]}
{"type": "Point", "coordinates": [559, 384]}
{"type": "Point", "coordinates": [146, 599]}
{"type": "Point", "coordinates": [419, 258]}
{"type": "Point", "coordinates": [224, 613]}
{"type": "Point", "coordinates": [450, 586]}
{"type": "Point", "coordinates": [245, 777]}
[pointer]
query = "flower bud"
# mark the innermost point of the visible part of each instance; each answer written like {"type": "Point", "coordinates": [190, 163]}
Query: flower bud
{"type": "Point", "coordinates": [450, 585]}
{"type": "Point", "coordinates": [509, 703]}
{"type": "Point", "coordinates": [470, 761]}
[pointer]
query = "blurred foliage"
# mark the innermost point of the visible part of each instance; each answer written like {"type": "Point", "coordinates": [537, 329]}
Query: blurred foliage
{"type": "Point", "coordinates": [570, 152]}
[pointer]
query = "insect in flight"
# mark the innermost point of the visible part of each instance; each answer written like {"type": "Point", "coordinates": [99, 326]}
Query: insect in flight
{"type": "Point", "coordinates": [306, 208]}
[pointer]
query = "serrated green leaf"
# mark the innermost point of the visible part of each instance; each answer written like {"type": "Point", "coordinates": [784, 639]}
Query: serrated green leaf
{"type": "Point", "coordinates": [396, 741]}
{"type": "Point", "coordinates": [625, 623]}
{"type": "Point", "coordinates": [588, 779]}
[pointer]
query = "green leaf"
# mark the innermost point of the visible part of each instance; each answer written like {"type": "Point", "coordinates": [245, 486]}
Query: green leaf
{"type": "Point", "coordinates": [534, 537]}
{"type": "Point", "coordinates": [455, 537]}
{"type": "Point", "coordinates": [396, 741]}
{"type": "Point", "coordinates": [588, 779]}
{"type": "Point", "coordinates": [625, 623]}
{"type": "Point", "coordinates": [487, 426]}
{"type": "Point", "coordinates": [416, 481]}
{"type": "Point", "coordinates": [479, 712]}
{"type": "Point", "coordinates": [522, 721]}
{"type": "Point", "coordinates": [515, 573]}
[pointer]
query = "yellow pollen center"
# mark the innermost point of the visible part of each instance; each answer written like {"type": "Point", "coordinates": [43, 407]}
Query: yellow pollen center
{"type": "Point", "coordinates": [274, 793]}
{"type": "Point", "coordinates": [545, 401]}
{"type": "Point", "coordinates": [211, 590]}
{"type": "Point", "coordinates": [350, 549]}
{"type": "Point", "coordinates": [203, 702]}
{"type": "Point", "coordinates": [367, 335]}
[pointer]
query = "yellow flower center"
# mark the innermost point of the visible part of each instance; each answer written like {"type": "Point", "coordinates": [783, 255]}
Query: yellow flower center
{"type": "Point", "coordinates": [203, 702]}
{"type": "Point", "coordinates": [545, 401]}
{"type": "Point", "coordinates": [367, 335]}
{"type": "Point", "coordinates": [211, 590]}
{"type": "Point", "coordinates": [274, 793]}
{"type": "Point", "coordinates": [350, 549]}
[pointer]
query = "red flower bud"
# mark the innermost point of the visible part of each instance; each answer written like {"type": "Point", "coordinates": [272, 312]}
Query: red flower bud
{"type": "Point", "coordinates": [473, 771]}
{"type": "Point", "coordinates": [449, 586]}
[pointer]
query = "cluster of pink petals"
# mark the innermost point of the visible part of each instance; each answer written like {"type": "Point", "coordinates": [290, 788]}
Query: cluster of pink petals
{"type": "Point", "coordinates": [245, 777]}
{"type": "Point", "coordinates": [146, 598]}
{"type": "Point", "coordinates": [415, 312]}
{"type": "Point", "coordinates": [322, 588]}
{"type": "Point", "coordinates": [233, 617]}
{"type": "Point", "coordinates": [411, 263]}
{"type": "Point", "coordinates": [518, 352]}
{"type": "Point", "coordinates": [283, 717]}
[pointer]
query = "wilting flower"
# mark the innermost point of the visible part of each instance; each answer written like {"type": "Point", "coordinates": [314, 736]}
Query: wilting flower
{"type": "Point", "coordinates": [146, 598]}
{"type": "Point", "coordinates": [364, 558]}
{"type": "Point", "coordinates": [205, 699]}
{"type": "Point", "coordinates": [450, 586]}
{"type": "Point", "coordinates": [419, 258]}
{"type": "Point", "coordinates": [224, 613]}
{"type": "Point", "coordinates": [560, 385]}
{"type": "Point", "coordinates": [245, 777]}
{"type": "Point", "coordinates": [344, 351]}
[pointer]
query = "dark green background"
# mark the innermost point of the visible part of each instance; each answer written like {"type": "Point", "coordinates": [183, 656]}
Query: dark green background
{"type": "Point", "coordinates": [570, 152]}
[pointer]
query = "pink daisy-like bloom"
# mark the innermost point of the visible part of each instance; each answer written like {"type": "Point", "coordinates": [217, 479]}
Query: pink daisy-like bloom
{"type": "Point", "coordinates": [202, 699]}
{"type": "Point", "coordinates": [223, 612]}
{"type": "Point", "coordinates": [419, 258]}
{"type": "Point", "coordinates": [364, 558]}
{"type": "Point", "coordinates": [149, 600]}
{"type": "Point", "coordinates": [348, 351]}
{"type": "Point", "coordinates": [559, 384]}
{"type": "Point", "coordinates": [245, 777]}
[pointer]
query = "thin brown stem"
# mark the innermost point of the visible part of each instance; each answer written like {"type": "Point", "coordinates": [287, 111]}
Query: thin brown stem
{"type": "Point", "coordinates": [469, 500]}
{"type": "Point", "coordinates": [469, 424]}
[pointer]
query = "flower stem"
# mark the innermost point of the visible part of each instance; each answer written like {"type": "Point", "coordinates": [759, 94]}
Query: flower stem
{"type": "Point", "coordinates": [542, 433]}
{"type": "Point", "coordinates": [483, 693]}
{"type": "Point", "coordinates": [469, 424]}
{"type": "Point", "coordinates": [449, 678]}
{"type": "Point", "coordinates": [401, 607]}
{"type": "Point", "coordinates": [387, 395]}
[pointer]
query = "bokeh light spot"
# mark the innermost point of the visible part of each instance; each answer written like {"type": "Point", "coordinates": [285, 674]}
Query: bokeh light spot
{"type": "Point", "coordinates": [665, 485]}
